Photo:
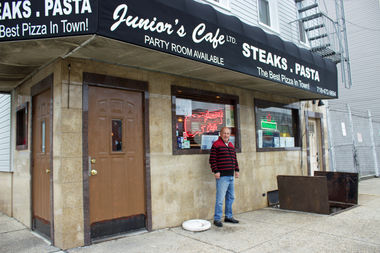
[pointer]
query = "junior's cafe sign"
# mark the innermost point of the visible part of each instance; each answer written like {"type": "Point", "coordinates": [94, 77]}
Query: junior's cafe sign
{"type": "Point", "coordinates": [168, 27]}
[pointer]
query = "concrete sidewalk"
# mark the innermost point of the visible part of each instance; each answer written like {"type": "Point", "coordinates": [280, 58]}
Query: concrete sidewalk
{"type": "Point", "coordinates": [265, 230]}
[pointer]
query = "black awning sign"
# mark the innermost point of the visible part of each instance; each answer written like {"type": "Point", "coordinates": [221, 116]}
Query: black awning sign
{"type": "Point", "coordinates": [152, 25]}
{"type": "Point", "coordinates": [199, 34]}
{"type": "Point", "coordinates": [26, 19]}
{"type": "Point", "coordinates": [183, 28]}
{"type": "Point", "coordinates": [176, 31]}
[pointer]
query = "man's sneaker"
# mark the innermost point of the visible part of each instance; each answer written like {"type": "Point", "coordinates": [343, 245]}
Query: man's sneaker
{"type": "Point", "coordinates": [230, 220]}
{"type": "Point", "coordinates": [218, 223]}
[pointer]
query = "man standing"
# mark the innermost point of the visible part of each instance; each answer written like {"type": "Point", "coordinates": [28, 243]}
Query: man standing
{"type": "Point", "coordinates": [224, 165]}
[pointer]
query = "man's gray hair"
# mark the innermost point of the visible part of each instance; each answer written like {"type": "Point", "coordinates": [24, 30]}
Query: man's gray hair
{"type": "Point", "coordinates": [224, 128]}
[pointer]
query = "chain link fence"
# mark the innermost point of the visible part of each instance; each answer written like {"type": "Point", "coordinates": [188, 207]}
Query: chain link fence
{"type": "Point", "coordinates": [354, 141]}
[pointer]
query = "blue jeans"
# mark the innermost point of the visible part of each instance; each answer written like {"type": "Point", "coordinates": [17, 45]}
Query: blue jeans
{"type": "Point", "coordinates": [224, 190]}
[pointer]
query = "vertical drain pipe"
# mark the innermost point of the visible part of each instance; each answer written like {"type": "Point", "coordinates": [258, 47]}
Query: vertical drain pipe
{"type": "Point", "coordinates": [330, 137]}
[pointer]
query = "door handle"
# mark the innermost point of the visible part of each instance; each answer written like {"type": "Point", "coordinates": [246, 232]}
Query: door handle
{"type": "Point", "coordinates": [91, 171]}
{"type": "Point", "coordinates": [47, 171]}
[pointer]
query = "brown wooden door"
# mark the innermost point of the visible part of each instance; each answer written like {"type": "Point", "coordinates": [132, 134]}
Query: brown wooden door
{"type": "Point", "coordinates": [41, 162]}
{"type": "Point", "coordinates": [116, 160]}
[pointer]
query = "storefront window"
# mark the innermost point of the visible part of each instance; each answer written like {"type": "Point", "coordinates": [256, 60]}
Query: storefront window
{"type": "Point", "coordinates": [277, 126]}
{"type": "Point", "coordinates": [198, 117]}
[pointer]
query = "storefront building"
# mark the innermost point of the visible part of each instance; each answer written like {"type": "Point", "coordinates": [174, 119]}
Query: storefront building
{"type": "Point", "coordinates": [115, 105]}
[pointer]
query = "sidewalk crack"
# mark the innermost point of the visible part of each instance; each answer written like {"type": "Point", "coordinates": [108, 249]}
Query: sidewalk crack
{"type": "Point", "coordinates": [204, 242]}
{"type": "Point", "coordinates": [7, 232]}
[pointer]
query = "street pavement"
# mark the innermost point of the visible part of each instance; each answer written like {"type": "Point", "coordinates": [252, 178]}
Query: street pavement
{"type": "Point", "coordinates": [266, 230]}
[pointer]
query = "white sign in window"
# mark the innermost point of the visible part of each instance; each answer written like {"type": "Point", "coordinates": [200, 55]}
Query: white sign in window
{"type": "Point", "coordinates": [183, 106]}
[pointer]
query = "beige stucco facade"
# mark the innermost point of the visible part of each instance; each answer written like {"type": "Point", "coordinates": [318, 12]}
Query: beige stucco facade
{"type": "Point", "coordinates": [182, 186]}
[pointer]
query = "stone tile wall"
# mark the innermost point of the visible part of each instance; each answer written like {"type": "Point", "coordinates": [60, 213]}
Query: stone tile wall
{"type": "Point", "coordinates": [182, 186]}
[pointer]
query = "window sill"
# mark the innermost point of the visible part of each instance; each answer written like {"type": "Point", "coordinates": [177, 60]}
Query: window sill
{"type": "Point", "coordinates": [222, 6]}
{"type": "Point", "coordinates": [277, 149]}
{"type": "Point", "coordinates": [305, 44]}
{"type": "Point", "coordinates": [196, 151]}
{"type": "Point", "coordinates": [270, 29]}
{"type": "Point", "coordinates": [6, 171]}
{"type": "Point", "coordinates": [22, 147]}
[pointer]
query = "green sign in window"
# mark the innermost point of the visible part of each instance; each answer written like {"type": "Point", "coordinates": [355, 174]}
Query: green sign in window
{"type": "Point", "coordinates": [268, 124]}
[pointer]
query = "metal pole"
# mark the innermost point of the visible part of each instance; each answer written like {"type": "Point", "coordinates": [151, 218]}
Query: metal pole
{"type": "Point", "coordinates": [342, 35]}
{"type": "Point", "coordinates": [354, 153]}
{"type": "Point", "coordinates": [346, 54]}
{"type": "Point", "coordinates": [373, 143]}
{"type": "Point", "coordinates": [331, 144]}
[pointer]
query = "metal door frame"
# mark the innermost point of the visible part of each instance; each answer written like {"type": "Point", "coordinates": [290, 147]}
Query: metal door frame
{"type": "Point", "coordinates": [91, 79]}
{"type": "Point", "coordinates": [319, 118]}
{"type": "Point", "coordinates": [37, 89]}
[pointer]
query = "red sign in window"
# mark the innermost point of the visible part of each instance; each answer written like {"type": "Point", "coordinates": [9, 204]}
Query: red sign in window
{"type": "Point", "coordinates": [205, 122]}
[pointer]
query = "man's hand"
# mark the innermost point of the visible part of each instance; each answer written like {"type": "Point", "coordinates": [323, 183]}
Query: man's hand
{"type": "Point", "coordinates": [217, 175]}
{"type": "Point", "coordinates": [236, 174]}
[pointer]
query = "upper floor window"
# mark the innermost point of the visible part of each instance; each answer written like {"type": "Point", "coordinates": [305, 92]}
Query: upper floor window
{"type": "Point", "coordinates": [302, 32]}
{"type": "Point", "coordinates": [268, 13]}
{"type": "Point", "coordinates": [264, 13]}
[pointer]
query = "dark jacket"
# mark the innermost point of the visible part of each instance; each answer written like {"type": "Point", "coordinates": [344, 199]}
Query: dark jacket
{"type": "Point", "coordinates": [223, 158]}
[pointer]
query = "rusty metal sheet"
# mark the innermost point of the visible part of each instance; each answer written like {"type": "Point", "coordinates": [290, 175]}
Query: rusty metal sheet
{"type": "Point", "coordinates": [303, 193]}
{"type": "Point", "coordinates": [342, 186]}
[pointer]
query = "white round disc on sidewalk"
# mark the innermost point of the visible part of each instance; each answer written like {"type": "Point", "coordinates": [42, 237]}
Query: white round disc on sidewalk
{"type": "Point", "coordinates": [196, 225]}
